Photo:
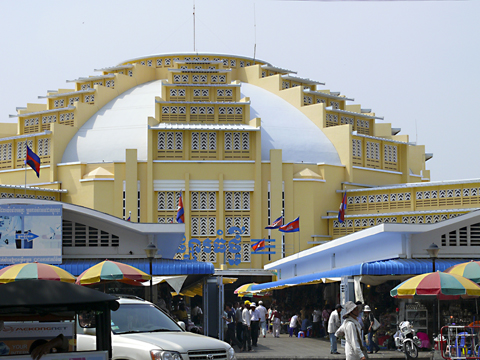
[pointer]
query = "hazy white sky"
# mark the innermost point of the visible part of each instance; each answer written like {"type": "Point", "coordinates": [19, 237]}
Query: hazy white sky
{"type": "Point", "coordinates": [415, 63]}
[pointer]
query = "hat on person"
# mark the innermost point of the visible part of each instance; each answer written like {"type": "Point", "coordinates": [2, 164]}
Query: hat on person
{"type": "Point", "coordinates": [338, 306]}
{"type": "Point", "coordinates": [253, 305]}
{"type": "Point", "coordinates": [260, 302]}
{"type": "Point", "coordinates": [366, 308]}
{"type": "Point", "coordinates": [247, 302]}
{"type": "Point", "coordinates": [349, 307]}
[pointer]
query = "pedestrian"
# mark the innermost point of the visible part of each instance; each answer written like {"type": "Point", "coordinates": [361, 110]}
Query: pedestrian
{"type": "Point", "coordinates": [294, 323]}
{"type": "Point", "coordinates": [255, 323]}
{"type": "Point", "coordinates": [246, 331]}
{"type": "Point", "coordinates": [197, 314]}
{"type": "Point", "coordinates": [334, 323]}
{"type": "Point", "coordinates": [230, 320]}
{"type": "Point", "coordinates": [269, 315]}
{"type": "Point", "coordinates": [275, 318]}
{"type": "Point", "coordinates": [263, 318]}
{"type": "Point", "coordinates": [325, 316]}
{"type": "Point", "coordinates": [238, 320]}
{"type": "Point", "coordinates": [350, 328]}
{"type": "Point", "coordinates": [317, 315]}
{"type": "Point", "coordinates": [368, 320]}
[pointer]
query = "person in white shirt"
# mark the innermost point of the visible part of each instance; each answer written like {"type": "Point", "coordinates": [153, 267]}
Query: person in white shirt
{"type": "Point", "coordinates": [263, 318]}
{"type": "Point", "coordinates": [317, 316]}
{"type": "Point", "coordinates": [334, 323]}
{"type": "Point", "coordinates": [294, 320]}
{"type": "Point", "coordinates": [255, 323]}
{"type": "Point", "coordinates": [350, 328]}
{"type": "Point", "coordinates": [246, 321]}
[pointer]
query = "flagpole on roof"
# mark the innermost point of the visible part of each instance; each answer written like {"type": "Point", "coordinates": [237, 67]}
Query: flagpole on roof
{"type": "Point", "coordinates": [298, 233]}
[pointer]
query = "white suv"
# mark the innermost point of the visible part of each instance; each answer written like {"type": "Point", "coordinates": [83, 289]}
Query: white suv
{"type": "Point", "coordinates": [142, 331]}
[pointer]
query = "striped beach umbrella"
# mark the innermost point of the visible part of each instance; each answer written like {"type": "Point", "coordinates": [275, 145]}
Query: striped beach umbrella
{"type": "Point", "coordinates": [244, 289]}
{"type": "Point", "coordinates": [34, 271]}
{"type": "Point", "coordinates": [439, 285]}
{"type": "Point", "coordinates": [112, 271]}
{"type": "Point", "coordinates": [469, 270]}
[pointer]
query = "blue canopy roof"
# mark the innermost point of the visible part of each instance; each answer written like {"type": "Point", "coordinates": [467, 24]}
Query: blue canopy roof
{"type": "Point", "coordinates": [384, 267]}
{"type": "Point", "coordinates": [159, 266]}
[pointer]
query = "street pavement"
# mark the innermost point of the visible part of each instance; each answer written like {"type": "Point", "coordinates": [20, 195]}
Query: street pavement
{"type": "Point", "coordinates": [287, 347]}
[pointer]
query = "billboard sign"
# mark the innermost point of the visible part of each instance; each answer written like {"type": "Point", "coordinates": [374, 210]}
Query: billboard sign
{"type": "Point", "coordinates": [30, 233]}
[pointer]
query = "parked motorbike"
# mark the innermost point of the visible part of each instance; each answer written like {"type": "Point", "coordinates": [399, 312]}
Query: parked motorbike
{"type": "Point", "coordinates": [407, 341]}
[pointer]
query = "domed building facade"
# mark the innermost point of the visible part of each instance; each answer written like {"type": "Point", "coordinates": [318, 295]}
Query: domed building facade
{"type": "Point", "coordinates": [242, 142]}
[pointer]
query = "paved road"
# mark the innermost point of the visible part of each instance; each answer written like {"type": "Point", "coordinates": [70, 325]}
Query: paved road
{"type": "Point", "coordinates": [287, 347]}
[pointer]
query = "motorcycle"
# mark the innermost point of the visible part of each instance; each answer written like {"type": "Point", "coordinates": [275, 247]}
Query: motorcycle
{"type": "Point", "coordinates": [407, 341]}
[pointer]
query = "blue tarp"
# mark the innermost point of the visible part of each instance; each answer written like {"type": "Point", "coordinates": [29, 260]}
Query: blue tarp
{"type": "Point", "coordinates": [384, 267]}
{"type": "Point", "coordinates": [159, 266]}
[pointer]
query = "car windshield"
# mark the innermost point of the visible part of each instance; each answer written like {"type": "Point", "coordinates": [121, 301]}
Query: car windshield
{"type": "Point", "coordinates": [139, 318]}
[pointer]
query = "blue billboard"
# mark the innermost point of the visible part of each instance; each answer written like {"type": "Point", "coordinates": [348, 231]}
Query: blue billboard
{"type": "Point", "coordinates": [30, 233]}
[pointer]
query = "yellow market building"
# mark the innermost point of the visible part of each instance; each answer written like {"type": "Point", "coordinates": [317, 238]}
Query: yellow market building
{"type": "Point", "coordinates": [241, 140]}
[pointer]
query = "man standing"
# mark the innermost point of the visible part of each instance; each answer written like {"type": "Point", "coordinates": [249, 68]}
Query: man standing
{"type": "Point", "coordinates": [333, 325]}
{"type": "Point", "coordinates": [263, 317]}
{"type": "Point", "coordinates": [317, 314]}
{"type": "Point", "coordinates": [246, 321]}
{"type": "Point", "coordinates": [255, 323]}
{"type": "Point", "coordinates": [238, 320]}
{"type": "Point", "coordinates": [351, 329]}
{"type": "Point", "coordinates": [230, 320]}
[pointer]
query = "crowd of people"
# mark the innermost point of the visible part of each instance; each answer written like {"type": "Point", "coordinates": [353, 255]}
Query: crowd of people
{"type": "Point", "coordinates": [246, 322]}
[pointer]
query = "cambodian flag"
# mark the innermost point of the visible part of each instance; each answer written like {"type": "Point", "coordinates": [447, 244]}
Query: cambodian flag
{"type": "Point", "coordinates": [129, 218]}
{"type": "Point", "coordinates": [343, 207]}
{"type": "Point", "coordinates": [276, 224]}
{"type": "Point", "coordinates": [292, 226]}
{"type": "Point", "coordinates": [33, 160]}
{"type": "Point", "coordinates": [180, 216]}
{"type": "Point", "coordinates": [259, 245]}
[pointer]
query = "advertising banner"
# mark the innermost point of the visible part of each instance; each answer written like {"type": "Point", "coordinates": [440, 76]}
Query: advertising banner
{"type": "Point", "coordinates": [16, 338]}
{"type": "Point", "coordinates": [30, 233]}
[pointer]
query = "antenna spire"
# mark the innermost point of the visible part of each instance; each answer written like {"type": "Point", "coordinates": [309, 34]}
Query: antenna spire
{"type": "Point", "coordinates": [194, 48]}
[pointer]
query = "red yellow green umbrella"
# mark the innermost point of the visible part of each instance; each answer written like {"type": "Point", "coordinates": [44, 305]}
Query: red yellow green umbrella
{"type": "Point", "coordinates": [438, 285]}
{"type": "Point", "coordinates": [245, 288]}
{"type": "Point", "coordinates": [112, 271]}
{"type": "Point", "coordinates": [469, 270]}
{"type": "Point", "coordinates": [34, 271]}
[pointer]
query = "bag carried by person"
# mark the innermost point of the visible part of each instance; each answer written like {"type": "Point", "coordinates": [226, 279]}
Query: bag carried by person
{"type": "Point", "coordinates": [376, 324]}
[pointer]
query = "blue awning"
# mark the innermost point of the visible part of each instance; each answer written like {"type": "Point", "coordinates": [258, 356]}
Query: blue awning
{"type": "Point", "coordinates": [384, 267]}
{"type": "Point", "coordinates": [159, 266]}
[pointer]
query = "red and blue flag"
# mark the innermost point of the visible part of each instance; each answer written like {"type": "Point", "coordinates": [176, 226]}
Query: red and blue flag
{"type": "Point", "coordinates": [33, 160]}
{"type": "Point", "coordinates": [259, 245]}
{"type": "Point", "coordinates": [292, 226]}
{"type": "Point", "coordinates": [343, 208]}
{"type": "Point", "coordinates": [276, 224]}
{"type": "Point", "coordinates": [180, 212]}
{"type": "Point", "coordinates": [129, 218]}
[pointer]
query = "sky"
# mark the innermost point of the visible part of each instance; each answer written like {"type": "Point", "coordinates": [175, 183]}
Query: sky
{"type": "Point", "coordinates": [416, 63]}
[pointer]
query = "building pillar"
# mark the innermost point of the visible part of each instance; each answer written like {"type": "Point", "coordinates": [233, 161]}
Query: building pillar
{"type": "Point", "coordinates": [131, 184]}
{"type": "Point", "coordinates": [276, 189]}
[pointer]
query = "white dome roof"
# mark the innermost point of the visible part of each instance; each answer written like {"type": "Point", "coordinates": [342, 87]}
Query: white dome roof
{"type": "Point", "coordinates": [123, 124]}
{"type": "Point", "coordinates": [285, 127]}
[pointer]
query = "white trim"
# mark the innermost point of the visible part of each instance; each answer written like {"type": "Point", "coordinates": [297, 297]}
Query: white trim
{"type": "Point", "coordinates": [423, 212]}
{"type": "Point", "coordinates": [172, 55]}
{"type": "Point", "coordinates": [413, 185]}
{"type": "Point", "coordinates": [23, 169]}
{"type": "Point", "coordinates": [113, 68]}
{"type": "Point", "coordinates": [318, 180]}
{"type": "Point", "coordinates": [168, 185]}
{"type": "Point", "coordinates": [301, 80]}
{"type": "Point", "coordinates": [200, 103]}
{"type": "Point", "coordinates": [56, 95]}
{"type": "Point", "coordinates": [97, 179]}
{"type": "Point", "coordinates": [22, 187]}
{"type": "Point", "coordinates": [207, 161]}
{"type": "Point", "coordinates": [238, 185]}
{"type": "Point", "coordinates": [69, 163]}
{"type": "Point", "coordinates": [274, 68]}
{"type": "Point", "coordinates": [43, 112]}
{"type": "Point", "coordinates": [200, 85]}
{"type": "Point", "coordinates": [204, 185]}
{"type": "Point", "coordinates": [378, 170]}
{"type": "Point", "coordinates": [355, 133]}
{"type": "Point", "coordinates": [329, 108]}
{"type": "Point", "coordinates": [415, 175]}
{"type": "Point", "coordinates": [330, 96]}
{"type": "Point", "coordinates": [46, 132]}
{"type": "Point", "coordinates": [92, 78]}
{"type": "Point", "coordinates": [215, 127]}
